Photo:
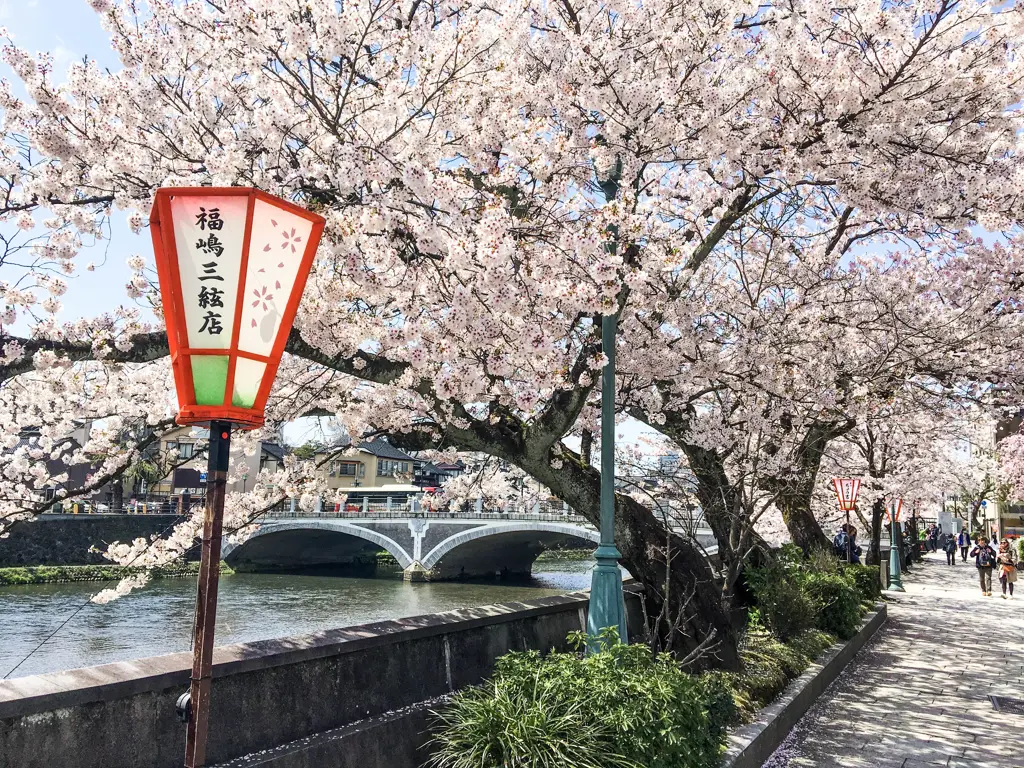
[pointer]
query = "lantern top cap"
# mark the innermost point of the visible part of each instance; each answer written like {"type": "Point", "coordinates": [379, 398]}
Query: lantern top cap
{"type": "Point", "coordinates": [259, 194]}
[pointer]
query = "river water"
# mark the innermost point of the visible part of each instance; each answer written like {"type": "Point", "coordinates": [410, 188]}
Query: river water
{"type": "Point", "coordinates": [158, 618]}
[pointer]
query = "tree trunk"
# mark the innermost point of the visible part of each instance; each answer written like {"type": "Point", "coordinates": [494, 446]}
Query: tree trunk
{"type": "Point", "coordinates": [803, 528]}
{"type": "Point", "coordinates": [874, 556]}
{"type": "Point", "coordinates": [795, 490]}
{"type": "Point", "coordinates": [117, 495]}
{"type": "Point", "coordinates": [717, 496]}
{"type": "Point", "coordinates": [914, 539]}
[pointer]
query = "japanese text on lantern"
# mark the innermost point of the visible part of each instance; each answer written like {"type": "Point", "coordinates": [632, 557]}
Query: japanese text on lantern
{"type": "Point", "coordinates": [208, 233]}
{"type": "Point", "coordinates": [210, 299]}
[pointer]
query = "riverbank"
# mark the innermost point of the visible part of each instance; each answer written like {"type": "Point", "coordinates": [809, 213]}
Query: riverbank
{"type": "Point", "coordinates": [64, 574]}
{"type": "Point", "coordinates": [560, 555]}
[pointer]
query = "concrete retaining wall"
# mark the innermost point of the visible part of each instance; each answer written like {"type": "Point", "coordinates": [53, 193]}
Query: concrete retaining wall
{"type": "Point", "coordinates": [342, 697]}
{"type": "Point", "coordinates": [67, 539]}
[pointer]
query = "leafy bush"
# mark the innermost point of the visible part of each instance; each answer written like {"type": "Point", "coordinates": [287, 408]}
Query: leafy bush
{"type": "Point", "coordinates": [717, 692]}
{"type": "Point", "coordinates": [812, 643]}
{"type": "Point", "coordinates": [55, 574]}
{"type": "Point", "coordinates": [838, 603]}
{"type": "Point", "coordinates": [784, 606]}
{"type": "Point", "coordinates": [865, 578]}
{"type": "Point", "coordinates": [620, 708]}
{"type": "Point", "coordinates": [769, 665]}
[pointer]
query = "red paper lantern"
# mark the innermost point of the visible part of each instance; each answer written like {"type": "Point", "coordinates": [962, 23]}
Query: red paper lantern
{"type": "Point", "coordinates": [233, 263]}
{"type": "Point", "coordinates": [847, 490]}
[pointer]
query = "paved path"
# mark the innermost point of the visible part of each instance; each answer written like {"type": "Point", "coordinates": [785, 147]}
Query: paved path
{"type": "Point", "coordinates": [917, 695]}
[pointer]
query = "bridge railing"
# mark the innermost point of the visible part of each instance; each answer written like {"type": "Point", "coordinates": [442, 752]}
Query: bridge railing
{"type": "Point", "coordinates": [404, 514]}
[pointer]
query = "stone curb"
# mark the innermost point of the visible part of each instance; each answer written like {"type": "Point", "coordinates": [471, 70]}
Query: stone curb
{"type": "Point", "coordinates": [752, 744]}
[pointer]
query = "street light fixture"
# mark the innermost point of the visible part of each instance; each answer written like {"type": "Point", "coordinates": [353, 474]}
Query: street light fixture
{"type": "Point", "coordinates": [895, 578]}
{"type": "Point", "coordinates": [607, 607]}
{"type": "Point", "coordinates": [232, 263]}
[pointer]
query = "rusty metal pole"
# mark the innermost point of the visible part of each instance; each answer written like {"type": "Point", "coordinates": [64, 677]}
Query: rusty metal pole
{"type": "Point", "coordinates": [206, 595]}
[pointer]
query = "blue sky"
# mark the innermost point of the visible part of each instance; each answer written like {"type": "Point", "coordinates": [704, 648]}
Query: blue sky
{"type": "Point", "coordinates": [69, 30]}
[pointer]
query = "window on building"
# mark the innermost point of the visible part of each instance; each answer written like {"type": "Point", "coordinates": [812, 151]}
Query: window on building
{"type": "Point", "coordinates": [344, 468]}
{"type": "Point", "coordinates": [182, 451]}
{"type": "Point", "coordinates": [388, 467]}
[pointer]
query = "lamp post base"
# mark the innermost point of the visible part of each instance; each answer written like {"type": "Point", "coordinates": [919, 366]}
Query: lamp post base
{"type": "Point", "coordinates": [895, 582]}
{"type": "Point", "coordinates": [607, 605]}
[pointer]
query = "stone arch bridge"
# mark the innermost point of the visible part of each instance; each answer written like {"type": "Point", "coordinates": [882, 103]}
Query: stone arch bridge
{"type": "Point", "coordinates": [426, 546]}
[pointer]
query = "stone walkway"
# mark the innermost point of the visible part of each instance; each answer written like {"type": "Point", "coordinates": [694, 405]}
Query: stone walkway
{"type": "Point", "coordinates": [918, 694]}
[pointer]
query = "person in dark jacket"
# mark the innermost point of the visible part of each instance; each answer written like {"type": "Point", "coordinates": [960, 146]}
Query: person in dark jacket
{"type": "Point", "coordinates": [963, 540]}
{"type": "Point", "coordinates": [985, 559]}
{"type": "Point", "coordinates": [950, 550]}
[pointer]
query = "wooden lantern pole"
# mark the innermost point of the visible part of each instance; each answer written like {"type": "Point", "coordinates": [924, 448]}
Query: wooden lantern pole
{"type": "Point", "coordinates": [206, 595]}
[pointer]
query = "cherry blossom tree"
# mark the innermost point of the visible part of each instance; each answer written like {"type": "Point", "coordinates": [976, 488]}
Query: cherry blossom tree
{"type": "Point", "coordinates": [495, 178]}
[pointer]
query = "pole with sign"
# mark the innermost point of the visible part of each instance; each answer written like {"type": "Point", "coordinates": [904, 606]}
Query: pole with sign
{"type": "Point", "coordinates": [232, 263]}
{"type": "Point", "coordinates": [893, 511]}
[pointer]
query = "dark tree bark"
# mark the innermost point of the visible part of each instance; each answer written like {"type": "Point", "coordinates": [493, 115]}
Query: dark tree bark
{"type": "Point", "coordinates": [586, 446]}
{"type": "Point", "coordinates": [913, 538]}
{"type": "Point", "coordinates": [874, 556]}
{"type": "Point", "coordinates": [794, 491]}
{"type": "Point", "coordinates": [717, 495]}
{"type": "Point", "coordinates": [671, 568]}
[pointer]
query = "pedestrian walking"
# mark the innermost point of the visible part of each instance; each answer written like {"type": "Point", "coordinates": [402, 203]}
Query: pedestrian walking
{"type": "Point", "coordinates": [1006, 561]}
{"type": "Point", "coordinates": [985, 559]}
{"type": "Point", "coordinates": [950, 550]}
{"type": "Point", "coordinates": [963, 541]}
{"type": "Point", "coordinates": [933, 538]}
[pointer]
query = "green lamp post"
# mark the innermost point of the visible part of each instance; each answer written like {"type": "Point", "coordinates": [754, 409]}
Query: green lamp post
{"type": "Point", "coordinates": [895, 582]}
{"type": "Point", "coordinates": [607, 608]}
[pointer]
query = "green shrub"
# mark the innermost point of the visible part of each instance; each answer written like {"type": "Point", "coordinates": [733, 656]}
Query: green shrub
{"type": "Point", "coordinates": [717, 692]}
{"type": "Point", "coordinates": [768, 665]}
{"type": "Point", "coordinates": [618, 708]}
{"type": "Point", "coordinates": [812, 643]}
{"type": "Point", "coordinates": [865, 579]}
{"type": "Point", "coordinates": [838, 602]}
{"type": "Point", "coordinates": [784, 607]}
{"type": "Point", "coordinates": [55, 574]}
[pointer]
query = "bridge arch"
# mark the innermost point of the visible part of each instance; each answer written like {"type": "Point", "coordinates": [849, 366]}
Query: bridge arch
{"type": "Point", "coordinates": [306, 542]}
{"type": "Point", "coordinates": [502, 547]}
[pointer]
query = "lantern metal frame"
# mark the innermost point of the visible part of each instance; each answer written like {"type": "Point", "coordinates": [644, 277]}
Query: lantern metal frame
{"type": "Point", "coordinates": [846, 504]}
{"type": "Point", "coordinates": [166, 253]}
